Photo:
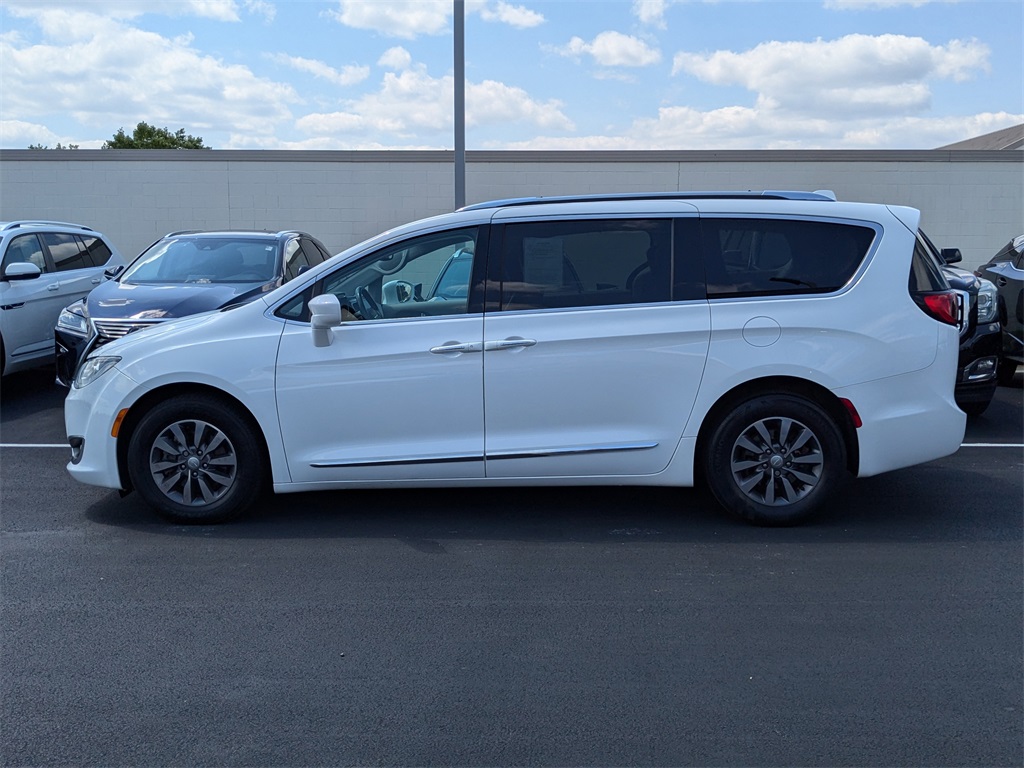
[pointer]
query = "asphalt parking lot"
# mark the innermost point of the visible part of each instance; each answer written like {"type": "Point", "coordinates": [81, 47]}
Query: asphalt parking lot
{"type": "Point", "coordinates": [526, 627]}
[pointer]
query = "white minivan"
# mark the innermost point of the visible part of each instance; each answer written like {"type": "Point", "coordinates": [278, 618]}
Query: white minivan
{"type": "Point", "coordinates": [766, 344]}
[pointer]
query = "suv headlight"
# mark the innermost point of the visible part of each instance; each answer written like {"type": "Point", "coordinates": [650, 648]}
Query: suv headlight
{"type": "Point", "coordinates": [987, 306]}
{"type": "Point", "coordinates": [92, 369]}
{"type": "Point", "coordinates": [74, 318]}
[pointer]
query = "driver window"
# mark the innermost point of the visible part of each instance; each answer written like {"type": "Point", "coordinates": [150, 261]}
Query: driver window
{"type": "Point", "coordinates": [425, 277]}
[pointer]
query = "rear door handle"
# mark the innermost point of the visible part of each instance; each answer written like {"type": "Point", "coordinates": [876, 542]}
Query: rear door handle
{"type": "Point", "coordinates": [508, 344]}
{"type": "Point", "coordinates": [53, 287]}
{"type": "Point", "coordinates": [454, 347]}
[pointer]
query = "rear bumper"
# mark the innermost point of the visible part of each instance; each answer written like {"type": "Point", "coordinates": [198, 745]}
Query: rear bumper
{"type": "Point", "coordinates": [907, 420]}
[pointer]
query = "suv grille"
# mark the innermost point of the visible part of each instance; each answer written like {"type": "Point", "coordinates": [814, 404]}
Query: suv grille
{"type": "Point", "coordinates": [108, 330]}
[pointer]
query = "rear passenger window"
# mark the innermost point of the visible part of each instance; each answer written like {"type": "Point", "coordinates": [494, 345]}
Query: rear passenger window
{"type": "Point", "coordinates": [767, 257]}
{"type": "Point", "coordinates": [556, 264]}
{"type": "Point", "coordinates": [68, 251]}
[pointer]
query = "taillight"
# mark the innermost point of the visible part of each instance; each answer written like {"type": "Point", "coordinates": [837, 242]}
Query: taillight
{"type": "Point", "coordinates": [941, 305]}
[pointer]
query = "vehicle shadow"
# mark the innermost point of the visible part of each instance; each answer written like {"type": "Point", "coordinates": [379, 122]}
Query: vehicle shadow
{"type": "Point", "coordinates": [932, 503]}
{"type": "Point", "coordinates": [32, 407]}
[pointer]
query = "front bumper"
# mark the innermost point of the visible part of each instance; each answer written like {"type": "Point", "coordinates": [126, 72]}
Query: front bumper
{"type": "Point", "coordinates": [69, 350]}
{"type": "Point", "coordinates": [89, 417]}
{"type": "Point", "coordinates": [977, 364]}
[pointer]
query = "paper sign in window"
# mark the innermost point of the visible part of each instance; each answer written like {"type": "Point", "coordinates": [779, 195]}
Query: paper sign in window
{"type": "Point", "coordinates": [543, 260]}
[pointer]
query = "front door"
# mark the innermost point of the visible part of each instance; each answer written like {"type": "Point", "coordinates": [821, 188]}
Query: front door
{"type": "Point", "coordinates": [397, 395]}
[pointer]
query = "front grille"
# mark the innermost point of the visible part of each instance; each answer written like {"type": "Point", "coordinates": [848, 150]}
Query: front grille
{"type": "Point", "coordinates": [108, 330]}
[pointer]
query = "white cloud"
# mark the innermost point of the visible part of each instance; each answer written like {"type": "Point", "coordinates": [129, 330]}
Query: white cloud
{"type": "Point", "coordinates": [856, 74]}
{"type": "Point", "coordinates": [76, 71]}
{"type": "Point", "coordinates": [219, 10]}
{"type": "Point", "coordinates": [513, 15]}
{"type": "Point", "coordinates": [412, 104]}
{"type": "Point", "coordinates": [395, 58]}
{"type": "Point", "coordinates": [612, 49]}
{"type": "Point", "coordinates": [396, 18]}
{"type": "Point", "coordinates": [348, 75]}
{"type": "Point", "coordinates": [746, 128]}
{"type": "Point", "coordinates": [651, 12]}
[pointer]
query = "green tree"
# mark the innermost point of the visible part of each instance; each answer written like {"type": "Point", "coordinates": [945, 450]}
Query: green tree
{"type": "Point", "coordinates": [146, 136]}
{"type": "Point", "coordinates": [59, 146]}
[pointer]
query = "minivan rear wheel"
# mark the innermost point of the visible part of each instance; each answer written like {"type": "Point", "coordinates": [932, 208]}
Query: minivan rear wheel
{"type": "Point", "coordinates": [775, 459]}
{"type": "Point", "coordinates": [196, 460]}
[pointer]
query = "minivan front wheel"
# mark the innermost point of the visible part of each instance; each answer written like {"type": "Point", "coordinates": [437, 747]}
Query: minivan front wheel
{"type": "Point", "coordinates": [773, 460]}
{"type": "Point", "coordinates": [196, 460]}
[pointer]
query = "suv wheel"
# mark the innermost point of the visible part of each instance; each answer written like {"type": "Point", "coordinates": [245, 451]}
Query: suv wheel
{"type": "Point", "coordinates": [196, 461]}
{"type": "Point", "coordinates": [773, 460]}
{"type": "Point", "coordinates": [1005, 371]}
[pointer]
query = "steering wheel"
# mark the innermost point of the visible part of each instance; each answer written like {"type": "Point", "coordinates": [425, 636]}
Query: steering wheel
{"type": "Point", "coordinates": [368, 306]}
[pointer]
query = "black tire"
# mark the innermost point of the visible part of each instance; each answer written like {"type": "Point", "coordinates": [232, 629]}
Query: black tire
{"type": "Point", "coordinates": [775, 459]}
{"type": "Point", "coordinates": [975, 408]}
{"type": "Point", "coordinates": [1005, 372]}
{"type": "Point", "coordinates": [196, 460]}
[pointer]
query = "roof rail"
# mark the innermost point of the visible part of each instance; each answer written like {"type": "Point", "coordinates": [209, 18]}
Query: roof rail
{"type": "Point", "coordinates": [37, 222]}
{"type": "Point", "coordinates": [769, 194]}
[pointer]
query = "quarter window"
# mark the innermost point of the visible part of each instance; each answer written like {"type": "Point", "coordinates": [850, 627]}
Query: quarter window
{"type": "Point", "coordinates": [767, 257]}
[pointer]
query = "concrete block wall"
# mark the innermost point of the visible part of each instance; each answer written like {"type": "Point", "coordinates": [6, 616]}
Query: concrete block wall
{"type": "Point", "coordinates": [969, 199]}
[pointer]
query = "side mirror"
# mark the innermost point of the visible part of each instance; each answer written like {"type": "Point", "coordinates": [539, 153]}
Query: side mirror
{"type": "Point", "coordinates": [111, 272]}
{"type": "Point", "coordinates": [325, 313]}
{"type": "Point", "coordinates": [22, 270]}
{"type": "Point", "coordinates": [951, 255]}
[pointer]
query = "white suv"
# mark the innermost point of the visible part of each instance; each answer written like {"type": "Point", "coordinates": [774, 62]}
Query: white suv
{"type": "Point", "coordinates": [767, 344]}
{"type": "Point", "coordinates": [44, 266]}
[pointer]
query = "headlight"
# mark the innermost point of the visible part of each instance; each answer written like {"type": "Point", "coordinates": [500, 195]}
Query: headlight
{"type": "Point", "coordinates": [987, 306]}
{"type": "Point", "coordinates": [74, 319]}
{"type": "Point", "coordinates": [93, 368]}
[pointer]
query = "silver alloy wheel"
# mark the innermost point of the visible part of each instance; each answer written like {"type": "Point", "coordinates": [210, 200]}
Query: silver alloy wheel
{"type": "Point", "coordinates": [193, 462]}
{"type": "Point", "coordinates": [776, 461]}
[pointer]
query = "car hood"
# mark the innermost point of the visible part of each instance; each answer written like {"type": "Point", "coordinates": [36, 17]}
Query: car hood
{"type": "Point", "coordinates": [113, 299]}
{"type": "Point", "coordinates": [961, 279]}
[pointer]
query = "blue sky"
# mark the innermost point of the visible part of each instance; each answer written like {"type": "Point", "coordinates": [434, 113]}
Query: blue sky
{"type": "Point", "coordinates": [540, 74]}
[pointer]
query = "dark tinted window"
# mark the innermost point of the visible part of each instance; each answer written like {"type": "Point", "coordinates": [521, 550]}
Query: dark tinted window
{"type": "Point", "coordinates": [765, 257]}
{"type": "Point", "coordinates": [25, 249]}
{"type": "Point", "coordinates": [68, 251]}
{"type": "Point", "coordinates": [294, 259]}
{"type": "Point", "coordinates": [925, 272]}
{"type": "Point", "coordinates": [554, 264]}
{"type": "Point", "coordinates": [97, 250]}
{"type": "Point", "coordinates": [315, 253]}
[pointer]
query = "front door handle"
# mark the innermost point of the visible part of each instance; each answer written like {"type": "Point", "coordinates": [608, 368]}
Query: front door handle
{"type": "Point", "coordinates": [508, 344]}
{"type": "Point", "coordinates": [53, 287]}
{"type": "Point", "coordinates": [454, 347]}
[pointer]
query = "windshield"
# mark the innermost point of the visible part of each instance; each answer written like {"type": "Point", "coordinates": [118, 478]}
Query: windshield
{"type": "Point", "coordinates": [205, 260]}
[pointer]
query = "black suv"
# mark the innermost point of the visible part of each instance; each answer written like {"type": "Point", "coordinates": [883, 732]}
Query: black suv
{"type": "Point", "coordinates": [1006, 270]}
{"type": "Point", "coordinates": [182, 273]}
{"type": "Point", "coordinates": [980, 333]}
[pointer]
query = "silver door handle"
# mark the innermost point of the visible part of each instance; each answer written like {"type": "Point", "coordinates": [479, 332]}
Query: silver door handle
{"type": "Point", "coordinates": [452, 347]}
{"type": "Point", "coordinates": [97, 280]}
{"type": "Point", "coordinates": [508, 344]}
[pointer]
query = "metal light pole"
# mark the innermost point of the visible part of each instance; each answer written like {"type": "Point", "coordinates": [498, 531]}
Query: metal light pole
{"type": "Point", "coordinates": [460, 103]}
